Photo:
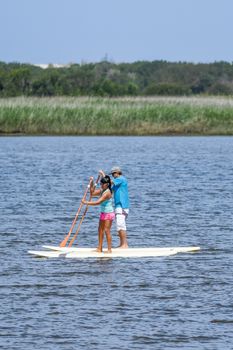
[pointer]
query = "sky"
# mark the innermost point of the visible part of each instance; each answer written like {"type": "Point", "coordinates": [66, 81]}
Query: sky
{"type": "Point", "coordinates": [77, 31]}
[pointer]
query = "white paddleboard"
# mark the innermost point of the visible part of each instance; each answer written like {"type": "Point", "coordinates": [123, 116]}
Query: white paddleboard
{"type": "Point", "coordinates": [81, 253]}
{"type": "Point", "coordinates": [146, 249]}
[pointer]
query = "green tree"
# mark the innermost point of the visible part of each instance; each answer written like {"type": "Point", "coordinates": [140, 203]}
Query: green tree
{"type": "Point", "coordinates": [18, 81]}
{"type": "Point", "coordinates": [167, 89]}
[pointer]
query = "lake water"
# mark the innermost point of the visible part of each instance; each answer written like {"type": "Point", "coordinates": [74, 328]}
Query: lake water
{"type": "Point", "coordinates": [181, 191]}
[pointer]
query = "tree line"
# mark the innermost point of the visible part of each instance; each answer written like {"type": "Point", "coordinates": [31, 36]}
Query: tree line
{"type": "Point", "coordinates": [105, 78]}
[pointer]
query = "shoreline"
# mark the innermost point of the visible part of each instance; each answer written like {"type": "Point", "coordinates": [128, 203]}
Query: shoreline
{"type": "Point", "coordinates": [2, 135]}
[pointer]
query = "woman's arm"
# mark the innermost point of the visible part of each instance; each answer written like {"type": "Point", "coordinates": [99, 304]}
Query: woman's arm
{"type": "Point", "coordinates": [106, 195]}
{"type": "Point", "coordinates": [93, 190]}
{"type": "Point", "coordinates": [96, 193]}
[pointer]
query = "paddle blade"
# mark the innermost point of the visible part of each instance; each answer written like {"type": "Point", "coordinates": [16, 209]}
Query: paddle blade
{"type": "Point", "coordinates": [71, 243]}
{"type": "Point", "coordinates": [64, 242]}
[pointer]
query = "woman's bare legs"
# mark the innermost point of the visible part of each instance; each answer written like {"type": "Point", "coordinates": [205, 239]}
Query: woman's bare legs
{"type": "Point", "coordinates": [100, 236]}
{"type": "Point", "coordinates": [107, 228]}
{"type": "Point", "coordinates": [104, 227]}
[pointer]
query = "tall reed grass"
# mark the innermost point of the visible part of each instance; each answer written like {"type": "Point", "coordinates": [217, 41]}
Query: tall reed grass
{"type": "Point", "coordinates": [117, 116]}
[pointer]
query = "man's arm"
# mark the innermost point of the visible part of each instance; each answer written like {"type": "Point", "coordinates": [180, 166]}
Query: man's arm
{"type": "Point", "coordinates": [102, 173]}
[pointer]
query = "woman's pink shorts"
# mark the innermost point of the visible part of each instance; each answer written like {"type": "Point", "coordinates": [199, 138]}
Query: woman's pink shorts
{"type": "Point", "coordinates": [107, 216]}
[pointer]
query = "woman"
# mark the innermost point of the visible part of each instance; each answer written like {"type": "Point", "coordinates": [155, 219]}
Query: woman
{"type": "Point", "coordinates": [106, 211]}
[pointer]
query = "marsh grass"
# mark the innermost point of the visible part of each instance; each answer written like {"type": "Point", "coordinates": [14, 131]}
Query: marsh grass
{"type": "Point", "coordinates": [117, 116]}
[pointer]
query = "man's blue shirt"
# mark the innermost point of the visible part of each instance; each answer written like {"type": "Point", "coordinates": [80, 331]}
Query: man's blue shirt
{"type": "Point", "coordinates": [121, 196]}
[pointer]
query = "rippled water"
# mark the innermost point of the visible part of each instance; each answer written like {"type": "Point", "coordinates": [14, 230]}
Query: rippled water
{"type": "Point", "coordinates": [181, 194]}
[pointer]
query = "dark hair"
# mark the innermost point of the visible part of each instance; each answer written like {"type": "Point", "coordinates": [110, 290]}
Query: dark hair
{"type": "Point", "coordinates": [106, 180]}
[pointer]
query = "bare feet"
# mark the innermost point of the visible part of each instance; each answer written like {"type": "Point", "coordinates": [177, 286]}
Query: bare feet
{"type": "Point", "coordinates": [99, 250]}
{"type": "Point", "coordinates": [109, 251]}
{"type": "Point", "coordinates": [123, 246]}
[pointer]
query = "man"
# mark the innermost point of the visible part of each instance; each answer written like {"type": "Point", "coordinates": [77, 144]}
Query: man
{"type": "Point", "coordinates": [121, 200]}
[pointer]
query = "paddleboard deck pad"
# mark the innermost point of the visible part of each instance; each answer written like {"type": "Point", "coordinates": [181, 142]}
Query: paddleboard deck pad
{"type": "Point", "coordinates": [82, 253]}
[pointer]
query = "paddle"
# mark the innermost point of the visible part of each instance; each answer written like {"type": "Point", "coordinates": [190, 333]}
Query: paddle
{"type": "Point", "coordinates": [83, 216]}
{"type": "Point", "coordinates": [65, 240]}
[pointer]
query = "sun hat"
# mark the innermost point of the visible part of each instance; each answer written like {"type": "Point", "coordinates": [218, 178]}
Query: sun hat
{"type": "Point", "coordinates": [116, 169]}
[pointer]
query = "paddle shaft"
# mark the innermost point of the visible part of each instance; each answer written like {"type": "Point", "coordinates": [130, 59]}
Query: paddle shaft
{"type": "Point", "coordinates": [83, 216]}
{"type": "Point", "coordinates": [65, 240]}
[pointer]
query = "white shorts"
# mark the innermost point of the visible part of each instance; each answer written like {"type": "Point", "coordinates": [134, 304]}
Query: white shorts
{"type": "Point", "coordinates": [121, 215]}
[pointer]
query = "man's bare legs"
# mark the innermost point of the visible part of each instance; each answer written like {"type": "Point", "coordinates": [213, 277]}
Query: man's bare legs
{"type": "Point", "coordinates": [123, 239]}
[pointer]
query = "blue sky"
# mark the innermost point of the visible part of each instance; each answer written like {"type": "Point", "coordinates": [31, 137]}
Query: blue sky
{"type": "Point", "coordinates": [64, 31]}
